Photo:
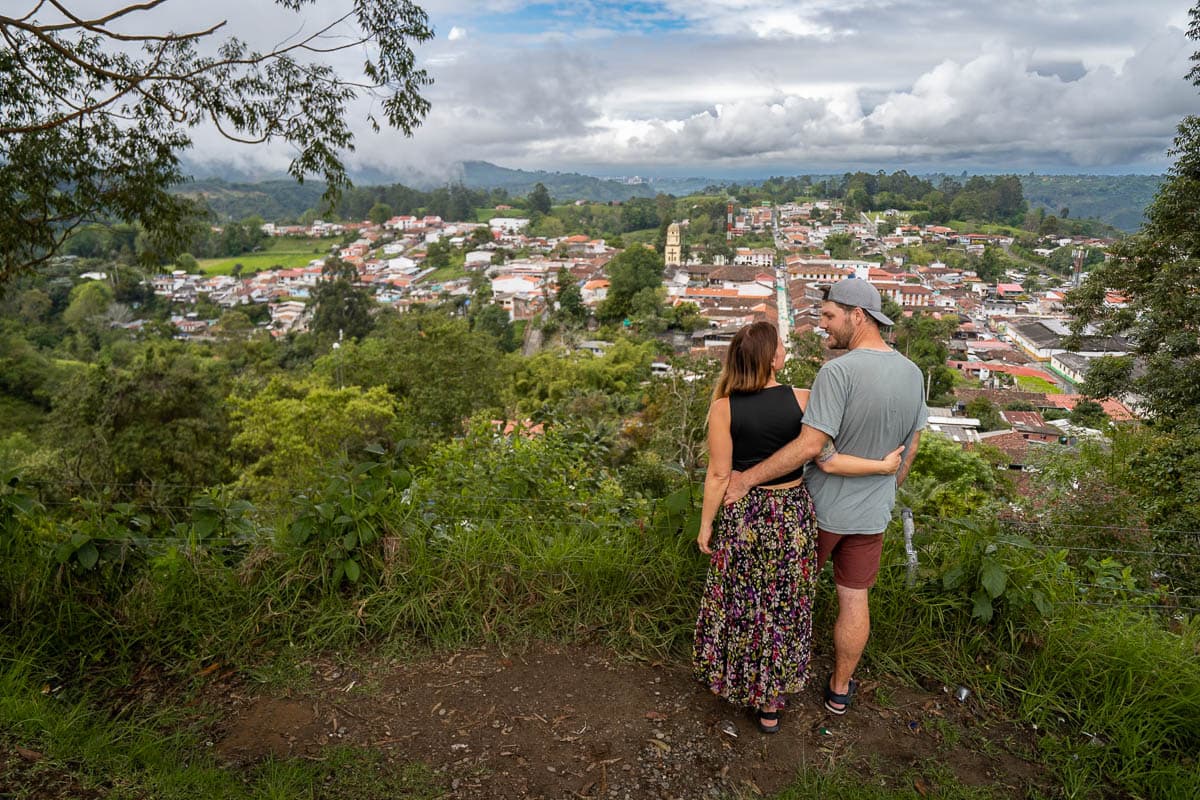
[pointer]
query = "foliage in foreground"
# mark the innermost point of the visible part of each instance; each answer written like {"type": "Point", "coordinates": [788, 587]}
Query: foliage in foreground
{"type": "Point", "coordinates": [510, 538]}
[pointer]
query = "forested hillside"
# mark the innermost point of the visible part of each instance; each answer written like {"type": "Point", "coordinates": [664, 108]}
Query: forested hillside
{"type": "Point", "coordinates": [1114, 200]}
{"type": "Point", "coordinates": [1119, 200]}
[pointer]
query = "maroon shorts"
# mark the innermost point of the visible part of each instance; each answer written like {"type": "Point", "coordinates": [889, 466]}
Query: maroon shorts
{"type": "Point", "coordinates": [855, 557]}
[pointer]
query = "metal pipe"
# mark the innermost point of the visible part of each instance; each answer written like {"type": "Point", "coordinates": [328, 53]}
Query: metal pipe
{"type": "Point", "coordinates": [906, 515]}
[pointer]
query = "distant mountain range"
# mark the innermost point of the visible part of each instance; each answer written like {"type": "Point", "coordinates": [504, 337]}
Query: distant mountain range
{"type": "Point", "coordinates": [574, 186]}
{"type": "Point", "coordinates": [1118, 200]}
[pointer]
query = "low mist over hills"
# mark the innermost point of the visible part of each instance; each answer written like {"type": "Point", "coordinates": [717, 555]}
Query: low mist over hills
{"type": "Point", "coordinates": [1118, 200]}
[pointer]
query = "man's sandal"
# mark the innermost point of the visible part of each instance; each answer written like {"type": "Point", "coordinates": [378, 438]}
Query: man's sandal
{"type": "Point", "coordinates": [842, 700]}
{"type": "Point", "coordinates": [768, 716]}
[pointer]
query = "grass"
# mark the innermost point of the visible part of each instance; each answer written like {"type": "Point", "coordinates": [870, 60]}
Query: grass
{"type": "Point", "coordinates": [1114, 694]}
{"type": "Point", "coordinates": [88, 753]}
{"type": "Point", "coordinates": [455, 270]}
{"type": "Point", "coordinates": [1029, 383]}
{"type": "Point", "coordinates": [444, 274]}
{"type": "Point", "coordinates": [486, 214]}
{"type": "Point", "coordinates": [283, 252]}
{"type": "Point", "coordinates": [520, 539]}
{"type": "Point", "coordinates": [644, 236]}
{"type": "Point", "coordinates": [986, 227]}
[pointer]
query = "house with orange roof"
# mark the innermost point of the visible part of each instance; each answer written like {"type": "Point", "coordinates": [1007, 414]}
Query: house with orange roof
{"type": "Point", "coordinates": [595, 291]}
{"type": "Point", "coordinates": [1115, 409]}
{"type": "Point", "coordinates": [1115, 300]}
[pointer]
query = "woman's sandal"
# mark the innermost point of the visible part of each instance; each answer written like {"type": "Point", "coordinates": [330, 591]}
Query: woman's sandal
{"type": "Point", "coordinates": [768, 716]}
{"type": "Point", "coordinates": [842, 700]}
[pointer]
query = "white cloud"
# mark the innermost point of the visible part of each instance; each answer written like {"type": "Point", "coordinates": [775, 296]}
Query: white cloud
{"type": "Point", "coordinates": [738, 83]}
{"type": "Point", "coordinates": [995, 108]}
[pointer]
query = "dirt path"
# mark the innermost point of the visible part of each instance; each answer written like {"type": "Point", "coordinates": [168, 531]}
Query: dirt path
{"type": "Point", "coordinates": [554, 721]}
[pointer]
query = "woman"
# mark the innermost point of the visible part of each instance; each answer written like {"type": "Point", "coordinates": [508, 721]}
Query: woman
{"type": "Point", "coordinates": [754, 632]}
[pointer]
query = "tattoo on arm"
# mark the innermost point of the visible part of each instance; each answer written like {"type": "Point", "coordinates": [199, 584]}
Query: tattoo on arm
{"type": "Point", "coordinates": [827, 452]}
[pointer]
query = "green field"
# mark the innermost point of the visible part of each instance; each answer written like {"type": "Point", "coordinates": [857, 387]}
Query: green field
{"type": "Point", "coordinates": [1031, 384]}
{"type": "Point", "coordinates": [282, 253]}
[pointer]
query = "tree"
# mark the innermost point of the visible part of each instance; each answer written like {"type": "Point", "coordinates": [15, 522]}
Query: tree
{"type": "Point", "coordinates": [291, 432]}
{"type": "Point", "coordinates": [630, 272]}
{"type": "Point", "coordinates": [437, 254]}
{"type": "Point", "coordinates": [991, 265]}
{"type": "Point", "coordinates": [807, 356]}
{"type": "Point", "coordinates": [94, 110]}
{"type": "Point", "coordinates": [89, 302]}
{"type": "Point", "coordinates": [493, 320]}
{"type": "Point", "coordinates": [685, 317]}
{"type": "Point", "coordinates": [923, 340]}
{"type": "Point", "coordinates": [343, 310]}
{"type": "Point", "coordinates": [947, 482]}
{"type": "Point", "coordinates": [840, 245]}
{"type": "Point", "coordinates": [480, 237]}
{"type": "Point", "coordinates": [440, 369]}
{"type": "Point", "coordinates": [984, 410]}
{"type": "Point", "coordinates": [155, 431]}
{"type": "Point", "coordinates": [1158, 272]}
{"type": "Point", "coordinates": [1089, 414]}
{"type": "Point", "coordinates": [569, 299]}
{"type": "Point", "coordinates": [549, 377]}
{"type": "Point", "coordinates": [380, 213]}
{"type": "Point", "coordinates": [539, 199]}
{"type": "Point", "coordinates": [639, 213]}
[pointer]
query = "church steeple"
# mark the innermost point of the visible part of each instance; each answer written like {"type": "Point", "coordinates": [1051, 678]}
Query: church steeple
{"type": "Point", "coordinates": [673, 256]}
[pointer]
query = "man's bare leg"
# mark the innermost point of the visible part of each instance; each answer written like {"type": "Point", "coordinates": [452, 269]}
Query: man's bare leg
{"type": "Point", "coordinates": [850, 633]}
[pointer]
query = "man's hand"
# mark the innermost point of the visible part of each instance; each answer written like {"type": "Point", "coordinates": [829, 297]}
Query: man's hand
{"type": "Point", "coordinates": [737, 488]}
{"type": "Point", "coordinates": [891, 462]}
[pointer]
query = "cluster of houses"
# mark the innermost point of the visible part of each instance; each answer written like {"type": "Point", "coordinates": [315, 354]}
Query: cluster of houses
{"type": "Point", "coordinates": [1006, 336]}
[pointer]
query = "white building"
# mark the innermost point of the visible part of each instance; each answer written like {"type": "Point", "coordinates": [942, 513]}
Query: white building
{"type": "Point", "coordinates": [508, 225]}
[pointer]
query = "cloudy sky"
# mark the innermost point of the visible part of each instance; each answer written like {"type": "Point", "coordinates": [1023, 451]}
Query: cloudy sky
{"type": "Point", "coordinates": [742, 87]}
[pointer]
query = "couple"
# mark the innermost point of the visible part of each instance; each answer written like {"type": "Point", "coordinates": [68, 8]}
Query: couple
{"type": "Point", "coordinates": [770, 524]}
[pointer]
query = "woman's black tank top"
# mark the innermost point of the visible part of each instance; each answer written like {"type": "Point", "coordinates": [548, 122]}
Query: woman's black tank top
{"type": "Point", "coordinates": [762, 422]}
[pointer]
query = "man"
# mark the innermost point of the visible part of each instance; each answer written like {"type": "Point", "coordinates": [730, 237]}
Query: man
{"type": "Point", "coordinates": [865, 403]}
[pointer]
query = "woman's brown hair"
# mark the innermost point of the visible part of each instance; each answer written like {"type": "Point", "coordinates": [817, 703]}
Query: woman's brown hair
{"type": "Point", "coordinates": [748, 360]}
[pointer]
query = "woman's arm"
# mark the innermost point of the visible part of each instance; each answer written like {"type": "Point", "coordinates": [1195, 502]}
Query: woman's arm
{"type": "Point", "coordinates": [720, 462]}
{"type": "Point", "coordinates": [835, 463]}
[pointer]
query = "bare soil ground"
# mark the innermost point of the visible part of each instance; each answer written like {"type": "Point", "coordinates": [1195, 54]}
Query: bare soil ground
{"type": "Point", "coordinates": [576, 721]}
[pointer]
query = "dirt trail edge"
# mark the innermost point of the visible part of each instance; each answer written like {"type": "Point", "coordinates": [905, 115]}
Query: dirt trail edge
{"type": "Point", "coordinates": [556, 721]}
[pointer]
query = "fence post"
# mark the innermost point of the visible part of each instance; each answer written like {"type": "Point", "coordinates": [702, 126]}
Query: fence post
{"type": "Point", "coordinates": [906, 515]}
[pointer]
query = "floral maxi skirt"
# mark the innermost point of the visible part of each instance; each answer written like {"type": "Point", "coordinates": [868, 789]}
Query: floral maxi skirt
{"type": "Point", "coordinates": [754, 632]}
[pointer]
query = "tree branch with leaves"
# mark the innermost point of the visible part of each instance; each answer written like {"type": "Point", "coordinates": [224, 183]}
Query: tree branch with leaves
{"type": "Point", "coordinates": [93, 118]}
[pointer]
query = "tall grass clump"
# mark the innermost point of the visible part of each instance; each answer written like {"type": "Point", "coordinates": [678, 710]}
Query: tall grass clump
{"type": "Point", "coordinates": [519, 536]}
{"type": "Point", "coordinates": [488, 537]}
{"type": "Point", "coordinates": [1113, 688]}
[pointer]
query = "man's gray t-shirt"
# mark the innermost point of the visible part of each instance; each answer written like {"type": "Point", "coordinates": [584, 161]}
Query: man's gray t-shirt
{"type": "Point", "coordinates": [868, 401]}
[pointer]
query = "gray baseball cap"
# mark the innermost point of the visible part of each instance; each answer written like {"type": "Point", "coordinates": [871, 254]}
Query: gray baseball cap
{"type": "Point", "coordinates": [860, 293]}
